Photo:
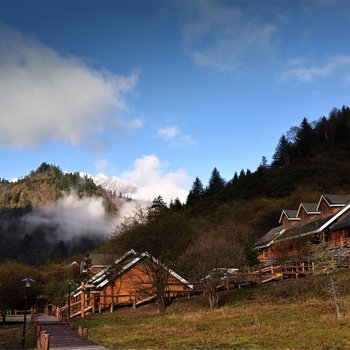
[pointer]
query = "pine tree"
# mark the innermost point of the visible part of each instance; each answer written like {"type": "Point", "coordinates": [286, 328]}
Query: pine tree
{"type": "Point", "coordinates": [216, 182]}
{"type": "Point", "coordinates": [241, 174]}
{"type": "Point", "coordinates": [158, 206]}
{"type": "Point", "coordinates": [282, 152]}
{"type": "Point", "coordinates": [175, 205]}
{"type": "Point", "coordinates": [304, 138]}
{"type": "Point", "coordinates": [196, 192]}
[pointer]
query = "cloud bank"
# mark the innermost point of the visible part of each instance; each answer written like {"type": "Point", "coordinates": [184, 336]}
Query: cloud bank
{"type": "Point", "coordinates": [45, 95]}
{"type": "Point", "coordinates": [73, 217]}
{"type": "Point", "coordinates": [150, 175]}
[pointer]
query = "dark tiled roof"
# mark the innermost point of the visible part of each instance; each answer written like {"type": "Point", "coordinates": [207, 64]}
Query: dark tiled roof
{"type": "Point", "coordinates": [268, 237]}
{"type": "Point", "coordinates": [345, 222]}
{"type": "Point", "coordinates": [292, 214]}
{"type": "Point", "coordinates": [303, 229]}
{"type": "Point", "coordinates": [337, 199]}
{"type": "Point", "coordinates": [310, 207]}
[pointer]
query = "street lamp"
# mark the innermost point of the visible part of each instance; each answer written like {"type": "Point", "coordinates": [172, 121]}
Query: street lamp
{"type": "Point", "coordinates": [28, 282]}
{"type": "Point", "coordinates": [69, 281]}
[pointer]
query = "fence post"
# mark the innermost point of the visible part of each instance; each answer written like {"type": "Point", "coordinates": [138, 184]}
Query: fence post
{"type": "Point", "coordinates": [85, 332]}
{"type": "Point", "coordinates": [46, 341]}
{"type": "Point", "coordinates": [134, 303]}
{"type": "Point", "coordinates": [82, 300]}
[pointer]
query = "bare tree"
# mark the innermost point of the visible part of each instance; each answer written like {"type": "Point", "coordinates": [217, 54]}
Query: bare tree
{"type": "Point", "coordinates": [212, 258]}
{"type": "Point", "coordinates": [326, 264]}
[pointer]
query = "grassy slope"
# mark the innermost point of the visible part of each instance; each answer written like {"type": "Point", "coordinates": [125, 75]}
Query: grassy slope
{"type": "Point", "coordinates": [11, 337]}
{"type": "Point", "coordinates": [293, 314]}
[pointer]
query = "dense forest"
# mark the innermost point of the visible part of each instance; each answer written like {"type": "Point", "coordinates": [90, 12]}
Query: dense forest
{"type": "Point", "coordinates": [215, 227]}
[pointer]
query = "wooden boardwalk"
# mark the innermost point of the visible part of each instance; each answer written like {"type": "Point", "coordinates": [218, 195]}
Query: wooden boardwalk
{"type": "Point", "coordinates": [63, 337]}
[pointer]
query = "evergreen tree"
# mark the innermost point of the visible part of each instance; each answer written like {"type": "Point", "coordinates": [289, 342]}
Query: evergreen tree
{"type": "Point", "coordinates": [216, 182]}
{"type": "Point", "coordinates": [242, 174]}
{"type": "Point", "coordinates": [282, 152]}
{"type": "Point", "coordinates": [196, 192]}
{"type": "Point", "coordinates": [158, 206]}
{"type": "Point", "coordinates": [304, 138]}
{"type": "Point", "coordinates": [264, 162]}
{"type": "Point", "coordinates": [175, 205]}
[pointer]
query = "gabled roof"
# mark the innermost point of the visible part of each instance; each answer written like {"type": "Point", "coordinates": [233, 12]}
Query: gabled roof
{"type": "Point", "coordinates": [299, 230]}
{"type": "Point", "coordinates": [314, 226]}
{"type": "Point", "coordinates": [290, 214]}
{"type": "Point", "coordinates": [122, 264]}
{"type": "Point", "coordinates": [310, 208]}
{"type": "Point", "coordinates": [343, 223]}
{"type": "Point", "coordinates": [334, 200]}
{"type": "Point", "coordinates": [268, 238]}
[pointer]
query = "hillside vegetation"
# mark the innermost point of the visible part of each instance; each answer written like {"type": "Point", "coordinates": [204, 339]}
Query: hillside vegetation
{"type": "Point", "coordinates": [47, 184]}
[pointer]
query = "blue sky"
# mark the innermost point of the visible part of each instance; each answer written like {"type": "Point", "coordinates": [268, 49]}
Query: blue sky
{"type": "Point", "coordinates": [164, 89]}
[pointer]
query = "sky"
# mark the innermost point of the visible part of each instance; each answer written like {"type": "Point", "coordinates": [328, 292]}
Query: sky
{"type": "Point", "coordinates": [164, 91]}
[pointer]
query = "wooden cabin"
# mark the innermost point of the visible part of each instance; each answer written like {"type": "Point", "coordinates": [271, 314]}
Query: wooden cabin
{"type": "Point", "coordinates": [288, 218]}
{"type": "Point", "coordinates": [307, 212]}
{"type": "Point", "coordinates": [327, 221]}
{"type": "Point", "coordinates": [130, 280]}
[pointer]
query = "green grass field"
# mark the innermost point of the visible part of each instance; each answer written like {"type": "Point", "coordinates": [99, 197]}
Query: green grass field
{"type": "Point", "coordinates": [293, 314]}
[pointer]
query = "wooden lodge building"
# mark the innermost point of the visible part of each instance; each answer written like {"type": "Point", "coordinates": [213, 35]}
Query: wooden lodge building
{"type": "Point", "coordinates": [129, 280]}
{"type": "Point", "coordinates": [300, 230]}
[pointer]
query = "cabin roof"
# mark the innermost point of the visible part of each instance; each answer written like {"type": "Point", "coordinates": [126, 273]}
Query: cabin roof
{"type": "Point", "coordinates": [268, 237]}
{"type": "Point", "coordinates": [303, 229]}
{"type": "Point", "coordinates": [310, 208]}
{"type": "Point", "coordinates": [122, 264]}
{"type": "Point", "coordinates": [343, 223]}
{"type": "Point", "coordinates": [290, 214]}
{"type": "Point", "coordinates": [334, 200]}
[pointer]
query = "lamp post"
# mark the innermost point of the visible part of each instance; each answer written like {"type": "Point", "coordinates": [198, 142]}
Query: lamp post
{"type": "Point", "coordinates": [28, 282]}
{"type": "Point", "coordinates": [69, 281]}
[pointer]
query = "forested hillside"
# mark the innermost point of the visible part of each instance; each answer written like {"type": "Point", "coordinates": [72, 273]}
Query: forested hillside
{"type": "Point", "coordinates": [309, 159]}
{"type": "Point", "coordinates": [219, 222]}
{"type": "Point", "coordinates": [49, 215]}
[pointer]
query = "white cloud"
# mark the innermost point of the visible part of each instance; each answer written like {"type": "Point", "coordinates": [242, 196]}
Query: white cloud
{"type": "Point", "coordinates": [150, 175]}
{"type": "Point", "coordinates": [309, 73]}
{"type": "Point", "coordinates": [175, 137]}
{"type": "Point", "coordinates": [168, 132]}
{"type": "Point", "coordinates": [73, 217]}
{"type": "Point", "coordinates": [220, 36]}
{"type": "Point", "coordinates": [45, 95]}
